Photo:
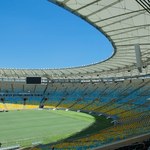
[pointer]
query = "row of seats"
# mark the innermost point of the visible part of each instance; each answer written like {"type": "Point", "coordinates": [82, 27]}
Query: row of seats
{"type": "Point", "coordinates": [111, 134]}
{"type": "Point", "coordinates": [145, 145]}
{"type": "Point", "coordinates": [8, 106]}
{"type": "Point", "coordinates": [127, 102]}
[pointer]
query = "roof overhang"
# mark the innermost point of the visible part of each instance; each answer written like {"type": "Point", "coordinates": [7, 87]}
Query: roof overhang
{"type": "Point", "coordinates": [124, 22]}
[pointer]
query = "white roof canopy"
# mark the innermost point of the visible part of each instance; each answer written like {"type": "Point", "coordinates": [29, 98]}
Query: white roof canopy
{"type": "Point", "coordinates": [124, 22]}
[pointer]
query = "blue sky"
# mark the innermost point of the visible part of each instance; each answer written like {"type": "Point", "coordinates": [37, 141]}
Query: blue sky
{"type": "Point", "coordinates": [39, 34]}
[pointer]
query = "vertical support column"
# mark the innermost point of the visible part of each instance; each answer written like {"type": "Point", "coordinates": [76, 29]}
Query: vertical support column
{"type": "Point", "coordinates": [24, 103]}
{"type": "Point", "coordinates": [3, 101]}
{"type": "Point", "coordinates": [138, 57]}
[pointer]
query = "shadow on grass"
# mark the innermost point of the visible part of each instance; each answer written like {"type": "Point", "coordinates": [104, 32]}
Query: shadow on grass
{"type": "Point", "coordinates": [100, 123]}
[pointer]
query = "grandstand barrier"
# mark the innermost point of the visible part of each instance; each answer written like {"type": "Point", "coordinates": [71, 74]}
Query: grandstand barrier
{"type": "Point", "coordinates": [125, 142]}
{"type": "Point", "coordinates": [16, 147]}
{"type": "Point", "coordinates": [36, 143]}
{"type": "Point", "coordinates": [3, 110]}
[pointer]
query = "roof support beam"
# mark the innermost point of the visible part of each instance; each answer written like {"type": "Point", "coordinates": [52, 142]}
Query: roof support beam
{"type": "Point", "coordinates": [128, 38]}
{"type": "Point", "coordinates": [129, 17]}
{"type": "Point", "coordinates": [112, 65]}
{"type": "Point", "coordinates": [133, 29]}
{"type": "Point", "coordinates": [144, 4]}
{"type": "Point", "coordinates": [123, 50]}
{"type": "Point", "coordinates": [65, 1]}
{"type": "Point", "coordinates": [86, 5]}
{"type": "Point", "coordinates": [139, 26]}
{"type": "Point", "coordinates": [104, 8]}
{"type": "Point", "coordinates": [120, 15]}
{"type": "Point", "coordinates": [132, 44]}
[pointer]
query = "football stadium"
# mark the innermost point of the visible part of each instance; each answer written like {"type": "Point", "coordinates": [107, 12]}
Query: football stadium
{"type": "Point", "coordinates": [100, 106]}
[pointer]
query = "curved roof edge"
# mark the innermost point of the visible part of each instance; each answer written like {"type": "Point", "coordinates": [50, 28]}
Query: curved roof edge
{"type": "Point", "coordinates": [96, 27]}
{"type": "Point", "coordinates": [125, 23]}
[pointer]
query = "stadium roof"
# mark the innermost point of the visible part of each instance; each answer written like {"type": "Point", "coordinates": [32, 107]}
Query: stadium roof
{"type": "Point", "coordinates": [124, 22]}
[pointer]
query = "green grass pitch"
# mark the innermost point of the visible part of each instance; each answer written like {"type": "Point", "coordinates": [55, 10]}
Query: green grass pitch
{"type": "Point", "coordinates": [29, 126]}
